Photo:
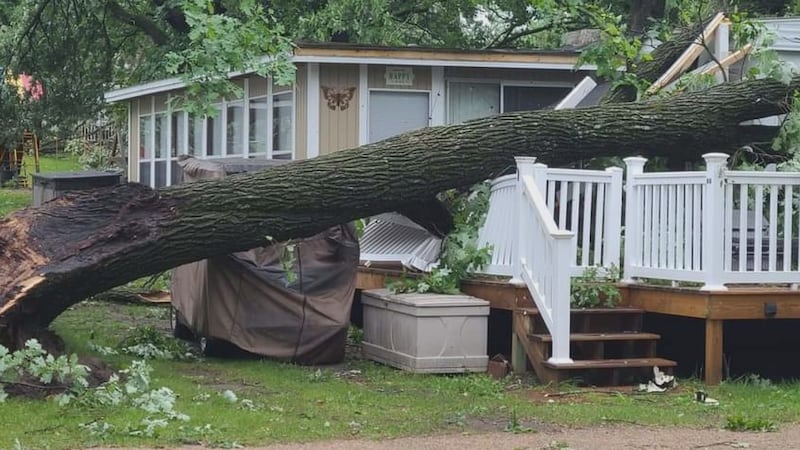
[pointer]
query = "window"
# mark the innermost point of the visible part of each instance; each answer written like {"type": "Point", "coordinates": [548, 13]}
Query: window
{"type": "Point", "coordinates": [259, 128]}
{"type": "Point", "coordinates": [145, 137]}
{"type": "Point", "coordinates": [282, 114]}
{"type": "Point", "coordinates": [178, 135]}
{"type": "Point", "coordinates": [271, 126]}
{"type": "Point", "coordinates": [195, 144]}
{"type": "Point", "coordinates": [162, 136]}
{"type": "Point", "coordinates": [530, 98]}
{"type": "Point", "coordinates": [473, 100]}
{"type": "Point", "coordinates": [235, 129]}
{"type": "Point", "coordinates": [214, 134]}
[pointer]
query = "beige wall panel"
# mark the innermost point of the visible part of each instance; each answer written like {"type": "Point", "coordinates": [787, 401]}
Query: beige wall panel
{"type": "Point", "coordinates": [257, 86]}
{"type": "Point", "coordinates": [300, 108]}
{"type": "Point", "coordinates": [160, 103]}
{"type": "Point", "coordinates": [422, 78]}
{"type": "Point", "coordinates": [133, 140]}
{"type": "Point", "coordinates": [514, 75]}
{"type": "Point", "coordinates": [338, 121]}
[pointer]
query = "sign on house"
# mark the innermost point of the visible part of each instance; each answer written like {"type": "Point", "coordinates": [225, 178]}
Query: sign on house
{"type": "Point", "coordinates": [399, 76]}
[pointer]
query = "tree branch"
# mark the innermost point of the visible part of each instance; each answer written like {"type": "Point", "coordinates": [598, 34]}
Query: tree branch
{"type": "Point", "coordinates": [174, 17]}
{"type": "Point", "coordinates": [143, 23]}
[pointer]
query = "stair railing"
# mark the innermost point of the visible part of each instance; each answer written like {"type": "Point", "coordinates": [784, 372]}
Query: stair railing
{"type": "Point", "coordinates": [543, 259]}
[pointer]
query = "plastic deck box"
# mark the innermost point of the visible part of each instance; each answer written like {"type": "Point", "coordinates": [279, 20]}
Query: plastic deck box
{"type": "Point", "coordinates": [426, 333]}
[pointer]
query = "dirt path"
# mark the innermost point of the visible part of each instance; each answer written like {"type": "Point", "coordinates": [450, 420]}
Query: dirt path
{"type": "Point", "coordinates": [595, 438]}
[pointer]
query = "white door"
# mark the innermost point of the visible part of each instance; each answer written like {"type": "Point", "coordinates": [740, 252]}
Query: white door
{"type": "Point", "coordinates": [393, 113]}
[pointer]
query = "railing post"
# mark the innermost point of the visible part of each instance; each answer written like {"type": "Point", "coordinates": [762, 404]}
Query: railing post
{"type": "Point", "coordinates": [613, 218]}
{"type": "Point", "coordinates": [524, 168]}
{"type": "Point", "coordinates": [713, 222]}
{"type": "Point", "coordinates": [540, 177]}
{"type": "Point", "coordinates": [633, 218]}
{"type": "Point", "coordinates": [561, 303]}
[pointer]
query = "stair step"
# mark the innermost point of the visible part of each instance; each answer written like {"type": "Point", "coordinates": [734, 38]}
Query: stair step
{"type": "Point", "coordinates": [587, 364]}
{"type": "Point", "coordinates": [595, 311]}
{"type": "Point", "coordinates": [600, 337]}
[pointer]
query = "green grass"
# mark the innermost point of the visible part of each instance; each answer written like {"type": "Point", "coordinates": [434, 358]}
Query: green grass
{"type": "Point", "coordinates": [14, 199]}
{"type": "Point", "coordinates": [61, 162]}
{"type": "Point", "coordinates": [357, 399]}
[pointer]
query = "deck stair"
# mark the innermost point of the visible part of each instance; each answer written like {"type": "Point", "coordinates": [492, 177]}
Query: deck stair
{"type": "Point", "coordinates": [607, 345]}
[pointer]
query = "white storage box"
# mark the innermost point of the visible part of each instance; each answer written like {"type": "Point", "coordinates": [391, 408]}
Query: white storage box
{"type": "Point", "coordinates": [426, 333]}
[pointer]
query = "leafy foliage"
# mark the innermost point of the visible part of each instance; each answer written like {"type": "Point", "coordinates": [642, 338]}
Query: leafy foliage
{"type": "Point", "coordinates": [460, 252]}
{"type": "Point", "coordinates": [91, 155]}
{"type": "Point", "coordinates": [617, 54]}
{"type": "Point", "coordinates": [33, 362]}
{"type": "Point", "coordinates": [150, 343]}
{"type": "Point", "coordinates": [220, 43]}
{"type": "Point", "coordinates": [595, 287]}
{"type": "Point", "coordinates": [742, 423]}
{"type": "Point", "coordinates": [134, 391]}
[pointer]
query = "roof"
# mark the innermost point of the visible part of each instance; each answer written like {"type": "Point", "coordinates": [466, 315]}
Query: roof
{"type": "Point", "coordinates": [786, 31]}
{"type": "Point", "coordinates": [340, 53]}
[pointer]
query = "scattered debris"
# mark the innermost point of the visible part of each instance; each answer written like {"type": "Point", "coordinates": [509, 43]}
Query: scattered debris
{"type": "Point", "coordinates": [703, 398]}
{"type": "Point", "coordinates": [498, 367]}
{"type": "Point", "coordinates": [661, 382]}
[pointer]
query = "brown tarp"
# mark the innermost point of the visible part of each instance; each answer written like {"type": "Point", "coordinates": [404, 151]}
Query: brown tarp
{"type": "Point", "coordinates": [247, 298]}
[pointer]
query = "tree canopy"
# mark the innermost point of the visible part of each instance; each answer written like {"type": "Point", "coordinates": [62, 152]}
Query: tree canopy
{"type": "Point", "coordinates": [77, 49]}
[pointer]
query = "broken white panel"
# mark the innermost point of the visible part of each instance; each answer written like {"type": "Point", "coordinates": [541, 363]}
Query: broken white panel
{"type": "Point", "coordinates": [393, 240]}
{"type": "Point", "coordinates": [577, 94]}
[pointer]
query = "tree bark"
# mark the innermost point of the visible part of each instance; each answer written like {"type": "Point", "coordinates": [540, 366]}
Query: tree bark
{"type": "Point", "coordinates": [80, 245]}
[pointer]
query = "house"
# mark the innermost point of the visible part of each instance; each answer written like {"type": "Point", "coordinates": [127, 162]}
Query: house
{"type": "Point", "coordinates": [344, 96]}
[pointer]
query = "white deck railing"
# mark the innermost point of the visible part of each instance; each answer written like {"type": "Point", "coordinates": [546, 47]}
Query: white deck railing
{"type": "Point", "coordinates": [498, 230]}
{"type": "Point", "coordinates": [543, 259]}
{"type": "Point", "coordinates": [586, 202]}
{"type": "Point", "coordinates": [710, 226]}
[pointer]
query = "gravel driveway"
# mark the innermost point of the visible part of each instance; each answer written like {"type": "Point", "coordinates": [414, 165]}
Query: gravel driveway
{"type": "Point", "coordinates": [595, 438]}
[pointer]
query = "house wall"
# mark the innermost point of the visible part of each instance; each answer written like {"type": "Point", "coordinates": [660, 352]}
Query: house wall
{"type": "Point", "coordinates": [300, 111]}
{"type": "Point", "coordinates": [341, 103]}
{"type": "Point", "coordinates": [257, 86]}
{"type": "Point", "coordinates": [377, 78]}
{"type": "Point", "coordinates": [133, 140]}
{"type": "Point", "coordinates": [338, 110]}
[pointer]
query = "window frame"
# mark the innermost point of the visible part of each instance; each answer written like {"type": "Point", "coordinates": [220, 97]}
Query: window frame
{"type": "Point", "coordinates": [146, 109]}
{"type": "Point", "coordinates": [501, 83]}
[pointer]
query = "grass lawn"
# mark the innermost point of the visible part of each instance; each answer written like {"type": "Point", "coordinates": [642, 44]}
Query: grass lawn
{"type": "Point", "coordinates": [13, 199]}
{"type": "Point", "coordinates": [279, 402]}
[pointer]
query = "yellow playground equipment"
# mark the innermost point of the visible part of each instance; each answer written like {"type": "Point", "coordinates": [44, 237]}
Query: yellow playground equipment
{"type": "Point", "coordinates": [12, 161]}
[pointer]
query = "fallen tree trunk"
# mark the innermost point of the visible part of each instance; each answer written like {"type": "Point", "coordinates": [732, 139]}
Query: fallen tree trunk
{"type": "Point", "coordinates": [81, 245]}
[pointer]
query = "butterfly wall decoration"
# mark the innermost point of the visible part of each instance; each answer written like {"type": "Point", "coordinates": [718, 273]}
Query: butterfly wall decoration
{"type": "Point", "coordinates": [338, 97]}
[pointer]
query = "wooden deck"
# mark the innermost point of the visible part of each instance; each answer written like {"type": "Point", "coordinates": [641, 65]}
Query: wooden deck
{"type": "Point", "coordinates": [714, 307]}
{"type": "Point", "coordinates": [737, 303]}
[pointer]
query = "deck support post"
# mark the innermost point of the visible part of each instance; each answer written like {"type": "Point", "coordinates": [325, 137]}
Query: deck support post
{"type": "Point", "coordinates": [519, 359]}
{"type": "Point", "coordinates": [713, 364]}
